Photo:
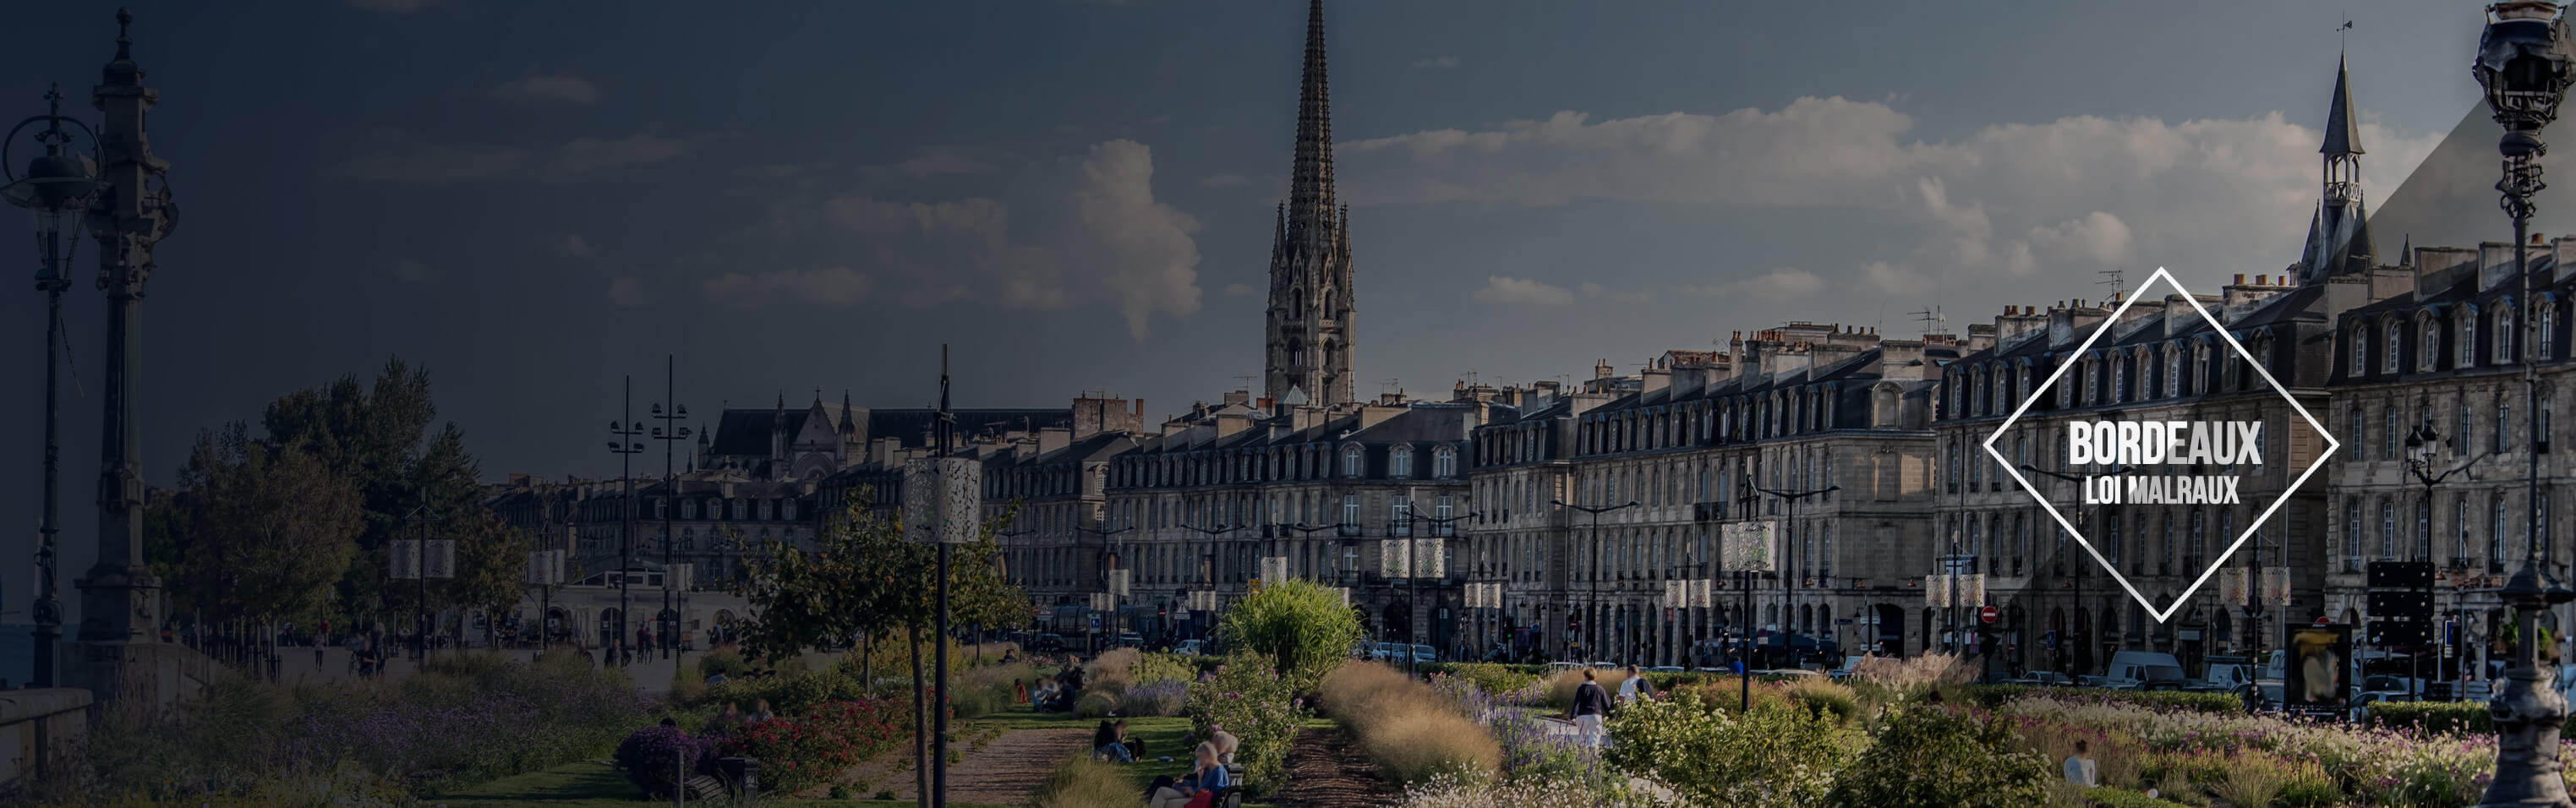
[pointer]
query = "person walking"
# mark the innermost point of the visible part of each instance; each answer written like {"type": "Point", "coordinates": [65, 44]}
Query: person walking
{"type": "Point", "coordinates": [1635, 687]}
{"type": "Point", "coordinates": [1591, 703]}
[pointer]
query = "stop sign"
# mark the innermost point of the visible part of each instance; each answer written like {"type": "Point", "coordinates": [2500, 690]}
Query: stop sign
{"type": "Point", "coordinates": [1987, 614]}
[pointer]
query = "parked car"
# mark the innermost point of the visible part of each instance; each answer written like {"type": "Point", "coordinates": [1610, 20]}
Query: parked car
{"type": "Point", "coordinates": [2144, 670]}
{"type": "Point", "coordinates": [1190, 647]}
{"type": "Point", "coordinates": [1131, 640]}
{"type": "Point", "coordinates": [2224, 673]}
{"type": "Point", "coordinates": [2043, 679]}
{"type": "Point", "coordinates": [1422, 654]}
{"type": "Point", "coordinates": [1667, 669]}
{"type": "Point", "coordinates": [1850, 663]}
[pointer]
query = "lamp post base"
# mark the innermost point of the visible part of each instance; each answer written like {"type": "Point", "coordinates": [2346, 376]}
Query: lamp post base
{"type": "Point", "coordinates": [2528, 716]}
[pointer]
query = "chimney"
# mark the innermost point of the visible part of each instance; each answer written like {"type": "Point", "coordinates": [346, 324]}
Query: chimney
{"type": "Point", "coordinates": [1900, 359]}
{"type": "Point", "coordinates": [1051, 438]}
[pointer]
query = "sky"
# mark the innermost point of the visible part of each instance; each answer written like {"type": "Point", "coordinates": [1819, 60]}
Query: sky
{"type": "Point", "coordinates": [536, 200]}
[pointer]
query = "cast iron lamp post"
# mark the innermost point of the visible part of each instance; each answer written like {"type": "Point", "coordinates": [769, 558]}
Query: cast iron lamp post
{"type": "Point", "coordinates": [1788, 596]}
{"type": "Point", "coordinates": [57, 187]}
{"type": "Point", "coordinates": [625, 429]}
{"type": "Point", "coordinates": [2523, 66]}
{"type": "Point", "coordinates": [670, 433]}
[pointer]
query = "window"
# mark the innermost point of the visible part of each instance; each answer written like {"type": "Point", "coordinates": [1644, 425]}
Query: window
{"type": "Point", "coordinates": [715, 509]}
{"type": "Point", "coordinates": [2390, 422]}
{"type": "Point", "coordinates": [2387, 530]}
{"type": "Point", "coordinates": [1350, 514]}
{"type": "Point", "coordinates": [689, 509]}
{"type": "Point", "coordinates": [2495, 535]}
{"type": "Point", "coordinates": [2428, 346]}
{"type": "Point", "coordinates": [2360, 352]}
{"type": "Point", "coordinates": [1399, 462]}
{"type": "Point", "coordinates": [2111, 545]}
{"type": "Point", "coordinates": [2503, 426]}
{"type": "Point", "coordinates": [2545, 344]}
{"type": "Point", "coordinates": [1351, 461]}
{"type": "Point", "coordinates": [2424, 530]}
{"type": "Point", "coordinates": [1400, 519]}
{"type": "Point", "coordinates": [2504, 332]}
{"type": "Point", "coordinates": [2396, 346]}
{"type": "Point", "coordinates": [2173, 370]}
{"type": "Point", "coordinates": [689, 538]}
{"type": "Point", "coordinates": [1952, 482]}
{"type": "Point", "coordinates": [768, 509]}
{"type": "Point", "coordinates": [2198, 552]}
{"type": "Point", "coordinates": [1443, 517]}
{"type": "Point", "coordinates": [2468, 341]}
{"type": "Point", "coordinates": [2460, 514]}
{"type": "Point", "coordinates": [2352, 426]}
{"type": "Point", "coordinates": [741, 508]}
{"type": "Point", "coordinates": [1444, 462]}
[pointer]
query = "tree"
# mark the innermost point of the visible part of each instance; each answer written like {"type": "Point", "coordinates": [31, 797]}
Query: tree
{"type": "Point", "coordinates": [260, 533]}
{"type": "Point", "coordinates": [1300, 625]}
{"type": "Point", "coordinates": [1927, 755]}
{"type": "Point", "coordinates": [491, 565]}
{"type": "Point", "coordinates": [377, 436]}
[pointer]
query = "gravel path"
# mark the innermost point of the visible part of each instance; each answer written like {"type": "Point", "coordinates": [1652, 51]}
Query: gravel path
{"type": "Point", "coordinates": [1327, 770]}
{"type": "Point", "coordinates": [1004, 772]}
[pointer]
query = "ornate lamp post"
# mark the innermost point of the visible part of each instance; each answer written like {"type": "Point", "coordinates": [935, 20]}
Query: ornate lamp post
{"type": "Point", "coordinates": [57, 187]}
{"type": "Point", "coordinates": [2523, 65]}
{"type": "Point", "coordinates": [1788, 596]}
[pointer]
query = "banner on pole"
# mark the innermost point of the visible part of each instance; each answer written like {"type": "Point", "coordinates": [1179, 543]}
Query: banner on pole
{"type": "Point", "coordinates": [2232, 591]}
{"type": "Point", "coordinates": [2276, 586]}
{"type": "Point", "coordinates": [1748, 547]}
{"type": "Point", "coordinates": [404, 558]}
{"type": "Point", "coordinates": [1431, 558]}
{"type": "Point", "coordinates": [1118, 582]}
{"type": "Point", "coordinates": [1972, 590]}
{"type": "Point", "coordinates": [940, 500]}
{"type": "Point", "coordinates": [1395, 558]}
{"type": "Point", "coordinates": [1703, 593]}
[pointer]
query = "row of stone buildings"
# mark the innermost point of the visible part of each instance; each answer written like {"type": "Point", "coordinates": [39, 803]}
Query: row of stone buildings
{"type": "Point", "coordinates": [1566, 511]}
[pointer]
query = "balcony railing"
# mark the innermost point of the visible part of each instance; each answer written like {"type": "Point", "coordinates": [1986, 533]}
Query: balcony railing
{"type": "Point", "coordinates": [1348, 529]}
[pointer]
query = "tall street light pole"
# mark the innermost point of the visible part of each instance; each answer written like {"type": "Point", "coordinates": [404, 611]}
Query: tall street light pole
{"type": "Point", "coordinates": [57, 187]}
{"type": "Point", "coordinates": [1117, 594]}
{"type": "Point", "coordinates": [669, 433]}
{"type": "Point", "coordinates": [2424, 447]}
{"type": "Point", "coordinates": [2085, 526]}
{"type": "Point", "coordinates": [1592, 609]}
{"type": "Point", "coordinates": [626, 428]}
{"type": "Point", "coordinates": [1788, 596]}
{"type": "Point", "coordinates": [2523, 65]}
{"type": "Point", "coordinates": [120, 596]}
{"type": "Point", "coordinates": [1745, 500]}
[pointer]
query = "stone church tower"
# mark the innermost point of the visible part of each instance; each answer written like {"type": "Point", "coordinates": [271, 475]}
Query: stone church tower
{"type": "Point", "coordinates": [1307, 346]}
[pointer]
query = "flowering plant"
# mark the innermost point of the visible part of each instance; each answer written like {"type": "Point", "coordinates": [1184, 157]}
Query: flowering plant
{"type": "Point", "coordinates": [654, 757]}
{"type": "Point", "coordinates": [1248, 697]}
{"type": "Point", "coordinates": [815, 748]}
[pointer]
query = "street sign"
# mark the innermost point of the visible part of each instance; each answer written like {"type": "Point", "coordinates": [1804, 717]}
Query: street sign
{"type": "Point", "coordinates": [2399, 633]}
{"type": "Point", "coordinates": [2401, 603]}
{"type": "Point", "coordinates": [1988, 614]}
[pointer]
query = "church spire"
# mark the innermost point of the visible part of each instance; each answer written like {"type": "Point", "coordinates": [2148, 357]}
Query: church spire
{"type": "Point", "coordinates": [2343, 135]}
{"type": "Point", "coordinates": [1310, 183]}
{"type": "Point", "coordinates": [2339, 237]}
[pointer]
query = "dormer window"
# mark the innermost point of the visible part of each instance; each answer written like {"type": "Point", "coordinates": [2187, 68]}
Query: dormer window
{"type": "Point", "coordinates": [2429, 346]}
{"type": "Point", "coordinates": [1351, 461]}
{"type": "Point", "coordinates": [2396, 345]}
{"type": "Point", "coordinates": [2468, 341]}
{"type": "Point", "coordinates": [2360, 352]}
{"type": "Point", "coordinates": [1444, 462]}
{"type": "Point", "coordinates": [1399, 462]}
{"type": "Point", "coordinates": [2504, 333]}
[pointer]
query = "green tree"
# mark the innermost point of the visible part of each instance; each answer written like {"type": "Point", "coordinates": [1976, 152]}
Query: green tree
{"type": "Point", "coordinates": [378, 437]}
{"type": "Point", "coordinates": [1780, 755]}
{"type": "Point", "coordinates": [491, 565]}
{"type": "Point", "coordinates": [1300, 625]}
{"type": "Point", "coordinates": [1927, 755]}
{"type": "Point", "coordinates": [259, 534]}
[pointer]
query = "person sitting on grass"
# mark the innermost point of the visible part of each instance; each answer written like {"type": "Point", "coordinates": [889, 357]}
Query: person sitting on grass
{"type": "Point", "coordinates": [1107, 745]}
{"type": "Point", "coordinates": [1165, 793]}
{"type": "Point", "coordinates": [760, 711]}
{"type": "Point", "coordinates": [1020, 690]}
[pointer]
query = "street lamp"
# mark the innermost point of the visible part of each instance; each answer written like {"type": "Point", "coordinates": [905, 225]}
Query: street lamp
{"type": "Point", "coordinates": [1117, 581]}
{"type": "Point", "coordinates": [2424, 446]}
{"type": "Point", "coordinates": [1592, 609]}
{"type": "Point", "coordinates": [669, 433]}
{"type": "Point", "coordinates": [2084, 526]}
{"type": "Point", "coordinates": [2523, 65]}
{"type": "Point", "coordinates": [57, 187]}
{"type": "Point", "coordinates": [1440, 533]}
{"type": "Point", "coordinates": [1788, 596]}
{"type": "Point", "coordinates": [626, 428]}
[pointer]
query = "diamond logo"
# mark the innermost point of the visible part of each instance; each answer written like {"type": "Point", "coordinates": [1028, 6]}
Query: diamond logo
{"type": "Point", "coordinates": [2130, 446]}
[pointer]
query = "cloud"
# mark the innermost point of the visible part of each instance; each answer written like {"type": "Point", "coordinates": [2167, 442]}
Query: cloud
{"type": "Point", "coordinates": [1895, 280]}
{"type": "Point", "coordinates": [406, 160]}
{"type": "Point", "coordinates": [1520, 292]}
{"type": "Point", "coordinates": [1437, 62]}
{"type": "Point", "coordinates": [413, 271]}
{"type": "Point", "coordinates": [1779, 284]}
{"type": "Point", "coordinates": [628, 291]}
{"type": "Point", "coordinates": [1239, 289]}
{"type": "Point", "coordinates": [1995, 204]}
{"type": "Point", "coordinates": [574, 245]}
{"type": "Point", "coordinates": [1223, 181]}
{"type": "Point", "coordinates": [565, 89]}
{"type": "Point", "coordinates": [1083, 230]}
{"type": "Point", "coordinates": [832, 286]}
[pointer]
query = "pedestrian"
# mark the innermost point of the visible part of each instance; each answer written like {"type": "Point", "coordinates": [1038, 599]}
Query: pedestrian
{"type": "Point", "coordinates": [320, 640]}
{"type": "Point", "coordinates": [2080, 769]}
{"type": "Point", "coordinates": [1590, 704]}
{"type": "Point", "coordinates": [1635, 687]}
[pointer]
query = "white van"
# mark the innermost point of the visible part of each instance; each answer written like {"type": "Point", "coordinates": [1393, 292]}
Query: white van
{"type": "Point", "coordinates": [2144, 670]}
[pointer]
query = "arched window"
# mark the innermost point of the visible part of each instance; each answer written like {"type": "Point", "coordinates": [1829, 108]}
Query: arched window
{"type": "Point", "coordinates": [1444, 462]}
{"type": "Point", "coordinates": [2545, 316]}
{"type": "Point", "coordinates": [2429, 346]}
{"type": "Point", "coordinates": [2396, 346]}
{"type": "Point", "coordinates": [2504, 332]}
{"type": "Point", "coordinates": [2387, 530]}
{"type": "Point", "coordinates": [1399, 462]}
{"type": "Point", "coordinates": [2467, 347]}
{"type": "Point", "coordinates": [2502, 527]}
{"type": "Point", "coordinates": [2460, 514]}
{"type": "Point", "coordinates": [2351, 548]}
{"type": "Point", "coordinates": [1351, 461]}
{"type": "Point", "coordinates": [2173, 369]}
{"type": "Point", "coordinates": [2360, 352]}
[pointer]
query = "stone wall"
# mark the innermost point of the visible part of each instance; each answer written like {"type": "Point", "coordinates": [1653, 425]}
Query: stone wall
{"type": "Point", "coordinates": [40, 728]}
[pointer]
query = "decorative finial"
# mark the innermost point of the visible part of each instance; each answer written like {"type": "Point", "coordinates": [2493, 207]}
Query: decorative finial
{"type": "Point", "coordinates": [124, 41]}
{"type": "Point", "coordinates": [54, 99]}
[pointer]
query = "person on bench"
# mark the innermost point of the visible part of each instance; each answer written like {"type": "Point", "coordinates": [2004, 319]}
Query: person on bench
{"type": "Point", "coordinates": [1209, 779]}
{"type": "Point", "coordinates": [1165, 793]}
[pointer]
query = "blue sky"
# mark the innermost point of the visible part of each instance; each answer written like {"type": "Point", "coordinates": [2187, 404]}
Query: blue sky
{"type": "Point", "coordinates": [535, 198]}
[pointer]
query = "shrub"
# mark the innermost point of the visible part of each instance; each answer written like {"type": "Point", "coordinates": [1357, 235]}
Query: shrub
{"type": "Point", "coordinates": [814, 748]}
{"type": "Point", "coordinates": [787, 693]}
{"type": "Point", "coordinates": [1493, 678]}
{"type": "Point", "coordinates": [1159, 698]}
{"type": "Point", "coordinates": [726, 660]}
{"type": "Point", "coordinates": [1153, 668]}
{"type": "Point", "coordinates": [1991, 696]}
{"type": "Point", "coordinates": [1250, 699]}
{"type": "Point", "coordinates": [2253, 780]}
{"type": "Point", "coordinates": [654, 757]}
{"type": "Point", "coordinates": [1911, 676]}
{"type": "Point", "coordinates": [1450, 791]}
{"type": "Point", "coordinates": [1826, 698]}
{"type": "Point", "coordinates": [1931, 756]}
{"type": "Point", "coordinates": [1299, 625]}
{"type": "Point", "coordinates": [1778, 755]}
{"type": "Point", "coordinates": [2434, 716]}
{"type": "Point", "coordinates": [687, 687]}
{"type": "Point", "coordinates": [1413, 731]}
{"type": "Point", "coordinates": [1095, 704]}
{"type": "Point", "coordinates": [1560, 694]}
{"type": "Point", "coordinates": [1080, 782]}
{"type": "Point", "coordinates": [1112, 670]}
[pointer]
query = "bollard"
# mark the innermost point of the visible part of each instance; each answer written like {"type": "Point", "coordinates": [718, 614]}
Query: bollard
{"type": "Point", "coordinates": [680, 776]}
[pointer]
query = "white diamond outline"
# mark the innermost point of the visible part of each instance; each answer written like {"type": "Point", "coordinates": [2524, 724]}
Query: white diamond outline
{"type": "Point", "coordinates": [2255, 526]}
